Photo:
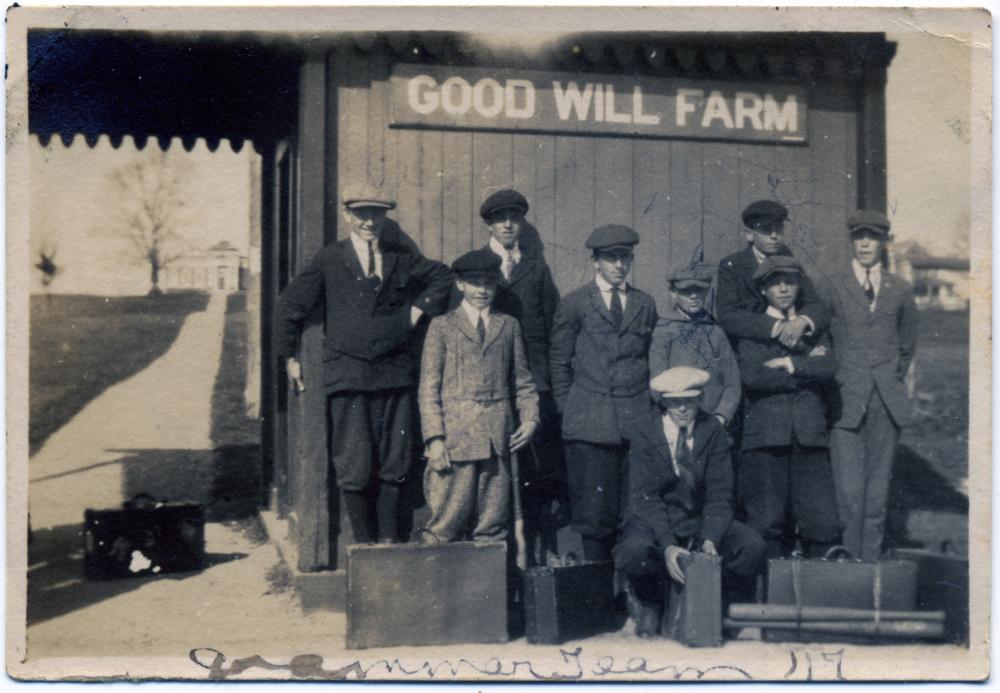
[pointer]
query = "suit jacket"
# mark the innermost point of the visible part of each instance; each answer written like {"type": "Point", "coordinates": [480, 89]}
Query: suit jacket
{"type": "Point", "coordinates": [680, 341]}
{"type": "Point", "coordinates": [369, 342]}
{"type": "Point", "coordinates": [874, 348]}
{"type": "Point", "coordinates": [780, 405]}
{"type": "Point", "coordinates": [664, 502]}
{"type": "Point", "coordinates": [466, 388]}
{"type": "Point", "coordinates": [600, 374]}
{"type": "Point", "coordinates": [739, 305]}
{"type": "Point", "coordinates": [530, 296]}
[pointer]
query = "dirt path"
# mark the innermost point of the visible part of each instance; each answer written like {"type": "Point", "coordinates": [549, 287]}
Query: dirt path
{"type": "Point", "coordinates": [94, 460]}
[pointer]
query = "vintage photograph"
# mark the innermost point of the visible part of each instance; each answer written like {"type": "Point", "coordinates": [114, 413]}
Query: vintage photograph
{"type": "Point", "coordinates": [498, 344]}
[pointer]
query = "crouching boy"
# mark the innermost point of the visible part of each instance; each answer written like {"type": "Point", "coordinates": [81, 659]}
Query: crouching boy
{"type": "Point", "coordinates": [784, 465]}
{"type": "Point", "coordinates": [680, 499]}
{"type": "Point", "coordinates": [473, 368]}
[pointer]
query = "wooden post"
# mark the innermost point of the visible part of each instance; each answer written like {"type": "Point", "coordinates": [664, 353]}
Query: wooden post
{"type": "Point", "coordinates": [307, 411]}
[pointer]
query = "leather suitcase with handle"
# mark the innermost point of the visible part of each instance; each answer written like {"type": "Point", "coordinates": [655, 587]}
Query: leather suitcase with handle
{"type": "Point", "coordinates": [569, 602]}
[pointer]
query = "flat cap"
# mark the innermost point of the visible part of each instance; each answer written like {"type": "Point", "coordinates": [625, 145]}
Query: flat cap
{"type": "Point", "coordinates": [612, 235]}
{"type": "Point", "coordinates": [359, 196]}
{"type": "Point", "coordinates": [503, 199]}
{"type": "Point", "coordinates": [774, 264]}
{"type": "Point", "coordinates": [764, 212]}
{"type": "Point", "coordinates": [682, 381]}
{"type": "Point", "coordinates": [869, 219]}
{"type": "Point", "coordinates": [482, 263]}
{"type": "Point", "coordinates": [691, 274]}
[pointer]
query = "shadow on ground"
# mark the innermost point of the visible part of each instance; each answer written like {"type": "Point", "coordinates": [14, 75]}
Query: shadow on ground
{"type": "Point", "coordinates": [917, 486]}
{"type": "Point", "coordinates": [56, 585]}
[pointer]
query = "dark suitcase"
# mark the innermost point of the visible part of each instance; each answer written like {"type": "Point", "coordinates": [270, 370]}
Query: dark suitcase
{"type": "Point", "coordinates": [144, 538]}
{"type": "Point", "coordinates": [569, 602]}
{"type": "Point", "coordinates": [888, 584]}
{"type": "Point", "coordinates": [942, 584]}
{"type": "Point", "coordinates": [694, 609]}
{"type": "Point", "coordinates": [426, 594]}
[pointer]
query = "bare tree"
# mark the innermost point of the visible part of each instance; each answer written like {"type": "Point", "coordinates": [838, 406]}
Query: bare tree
{"type": "Point", "coordinates": [151, 209]}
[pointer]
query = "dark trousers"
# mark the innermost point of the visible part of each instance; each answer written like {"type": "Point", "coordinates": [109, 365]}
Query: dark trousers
{"type": "Point", "coordinates": [371, 449]}
{"type": "Point", "coordinates": [640, 556]}
{"type": "Point", "coordinates": [542, 469]}
{"type": "Point", "coordinates": [790, 485]}
{"type": "Point", "coordinates": [597, 477]}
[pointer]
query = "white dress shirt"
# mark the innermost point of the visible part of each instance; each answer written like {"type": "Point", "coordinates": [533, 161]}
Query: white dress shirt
{"type": "Point", "coordinates": [474, 313]}
{"type": "Point", "coordinates": [672, 432]}
{"type": "Point", "coordinates": [874, 275]}
{"type": "Point", "coordinates": [605, 289]}
{"type": "Point", "coordinates": [361, 248]}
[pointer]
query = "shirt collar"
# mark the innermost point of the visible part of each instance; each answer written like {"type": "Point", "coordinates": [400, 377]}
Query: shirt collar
{"type": "Point", "coordinates": [671, 430]}
{"type": "Point", "coordinates": [874, 272]}
{"type": "Point", "coordinates": [361, 246]}
{"type": "Point", "coordinates": [473, 313]}
{"type": "Point", "coordinates": [757, 254]}
{"type": "Point", "coordinates": [777, 314]}
{"type": "Point", "coordinates": [503, 252]}
{"type": "Point", "coordinates": [605, 287]}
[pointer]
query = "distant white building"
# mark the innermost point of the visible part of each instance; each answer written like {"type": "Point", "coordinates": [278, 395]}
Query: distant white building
{"type": "Point", "coordinates": [220, 268]}
{"type": "Point", "coordinates": [938, 282]}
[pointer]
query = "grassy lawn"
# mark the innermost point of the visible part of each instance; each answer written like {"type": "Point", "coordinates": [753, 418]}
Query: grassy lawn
{"type": "Point", "coordinates": [81, 345]}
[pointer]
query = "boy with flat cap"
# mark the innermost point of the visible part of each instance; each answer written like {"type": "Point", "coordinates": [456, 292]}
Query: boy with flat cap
{"type": "Point", "coordinates": [740, 308]}
{"type": "Point", "coordinates": [689, 336]}
{"type": "Point", "coordinates": [598, 355]}
{"type": "Point", "coordinates": [785, 463]}
{"type": "Point", "coordinates": [473, 368]}
{"type": "Point", "coordinates": [373, 288]}
{"type": "Point", "coordinates": [527, 292]}
{"type": "Point", "coordinates": [874, 330]}
{"type": "Point", "coordinates": [680, 499]}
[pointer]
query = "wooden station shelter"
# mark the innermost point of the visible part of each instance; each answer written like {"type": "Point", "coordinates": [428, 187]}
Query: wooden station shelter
{"type": "Point", "coordinates": [672, 134]}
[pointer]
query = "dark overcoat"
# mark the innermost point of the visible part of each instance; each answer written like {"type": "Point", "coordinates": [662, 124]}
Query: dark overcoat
{"type": "Point", "coordinates": [664, 502]}
{"type": "Point", "coordinates": [780, 405]}
{"type": "Point", "coordinates": [874, 347]}
{"type": "Point", "coordinates": [369, 342]}
{"type": "Point", "coordinates": [600, 373]}
{"type": "Point", "coordinates": [739, 305]}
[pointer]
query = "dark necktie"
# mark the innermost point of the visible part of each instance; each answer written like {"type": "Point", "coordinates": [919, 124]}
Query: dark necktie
{"type": "Point", "coordinates": [683, 459]}
{"type": "Point", "coordinates": [371, 259]}
{"type": "Point", "coordinates": [616, 306]}
{"type": "Point", "coordinates": [481, 329]}
{"type": "Point", "coordinates": [869, 287]}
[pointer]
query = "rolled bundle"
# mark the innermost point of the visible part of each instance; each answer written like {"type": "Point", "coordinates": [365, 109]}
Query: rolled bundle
{"type": "Point", "coordinates": [789, 612]}
{"type": "Point", "coordinates": [924, 630]}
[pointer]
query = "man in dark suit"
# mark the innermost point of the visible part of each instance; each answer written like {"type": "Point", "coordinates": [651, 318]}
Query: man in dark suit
{"type": "Point", "coordinates": [874, 330]}
{"type": "Point", "coordinates": [739, 306]}
{"type": "Point", "coordinates": [680, 499]}
{"type": "Point", "coordinates": [598, 355]}
{"type": "Point", "coordinates": [784, 465]}
{"type": "Point", "coordinates": [374, 289]}
{"type": "Point", "coordinates": [527, 292]}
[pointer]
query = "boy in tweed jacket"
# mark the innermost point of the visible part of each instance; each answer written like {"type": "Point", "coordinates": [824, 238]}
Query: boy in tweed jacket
{"type": "Point", "coordinates": [473, 370]}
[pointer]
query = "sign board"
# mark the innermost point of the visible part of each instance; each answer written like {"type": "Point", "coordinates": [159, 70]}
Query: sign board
{"type": "Point", "coordinates": [468, 98]}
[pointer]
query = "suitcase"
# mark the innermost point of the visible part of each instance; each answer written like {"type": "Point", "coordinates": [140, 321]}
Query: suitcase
{"type": "Point", "coordinates": [942, 584]}
{"type": "Point", "coordinates": [569, 602]}
{"type": "Point", "coordinates": [143, 538]}
{"type": "Point", "coordinates": [694, 610]}
{"type": "Point", "coordinates": [888, 584]}
{"type": "Point", "coordinates": [426, 594]}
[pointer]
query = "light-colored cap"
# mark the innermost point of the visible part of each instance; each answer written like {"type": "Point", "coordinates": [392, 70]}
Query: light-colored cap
{"type": "Point", "coordinates": [682, 381]}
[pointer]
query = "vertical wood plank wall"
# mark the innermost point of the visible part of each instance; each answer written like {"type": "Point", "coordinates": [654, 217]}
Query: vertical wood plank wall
{"type": "Point", "coordinates": [684, 197]}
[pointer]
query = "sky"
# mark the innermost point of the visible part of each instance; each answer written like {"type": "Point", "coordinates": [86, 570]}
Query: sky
{"type": "Point", "coordinates": [73, 208]}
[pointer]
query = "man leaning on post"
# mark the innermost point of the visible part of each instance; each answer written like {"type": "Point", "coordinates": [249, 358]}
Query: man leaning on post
{"type": "Point", "coordinates": [600, 377]}
{"type": "Point", "coordinates": [739, 306]}
{"type": "Point", "coordinates": [374, 289]}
